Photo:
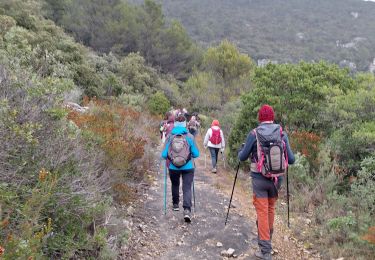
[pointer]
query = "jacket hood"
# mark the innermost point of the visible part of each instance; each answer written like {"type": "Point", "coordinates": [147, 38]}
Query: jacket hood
{"type": "Point", "coordinates": [179, 130]}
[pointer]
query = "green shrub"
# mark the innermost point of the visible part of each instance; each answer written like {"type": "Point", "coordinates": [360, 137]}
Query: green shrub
{"type": "Point", "coordinates": [299, 94]}
{"type": "Point", "coordinates": [6, 23]}
{"type": "Point", "coordinates": [159, 104]}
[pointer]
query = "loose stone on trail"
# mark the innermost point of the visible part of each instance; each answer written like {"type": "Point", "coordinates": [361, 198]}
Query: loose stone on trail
{"type": "Point", "coordinates": [130, 211]}
{"type": "Point", "coordinates": [227, 253]}
{"type": "Point", "coordinates": [230, 251]}
{"type": "Point", "coordinates": [218, 244]}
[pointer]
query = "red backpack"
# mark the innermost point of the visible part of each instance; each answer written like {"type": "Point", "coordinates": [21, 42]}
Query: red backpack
{"type": "Point", "coordinates": [216, 136]}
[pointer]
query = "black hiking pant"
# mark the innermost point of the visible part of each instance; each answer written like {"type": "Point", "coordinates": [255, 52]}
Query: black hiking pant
{"type": "Point", "coordinates": [187, 181]}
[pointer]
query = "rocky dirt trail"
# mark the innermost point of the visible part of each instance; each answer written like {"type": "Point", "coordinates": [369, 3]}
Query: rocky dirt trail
{"type": "Point", "coordinates": [158, 236]}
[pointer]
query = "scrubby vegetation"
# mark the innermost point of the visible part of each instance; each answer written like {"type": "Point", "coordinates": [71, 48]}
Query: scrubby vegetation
{"type": "Point", "coordinates": [68, 173]}
{"type": "Point", "coordinates": [329, 116]}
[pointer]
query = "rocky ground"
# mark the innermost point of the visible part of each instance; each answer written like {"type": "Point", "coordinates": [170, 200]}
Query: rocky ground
{"type": "Point", "coordinates": [158, 236]}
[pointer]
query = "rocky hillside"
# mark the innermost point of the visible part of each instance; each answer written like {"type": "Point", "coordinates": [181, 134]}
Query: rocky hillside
{"type": "Point", "coordinates": [341, 31]}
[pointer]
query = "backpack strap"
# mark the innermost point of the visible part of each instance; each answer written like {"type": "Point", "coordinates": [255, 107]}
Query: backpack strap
{"type": "Point", "coordinates": [260, 154]}
{"type": "Point", "coordinates": [169, 142]}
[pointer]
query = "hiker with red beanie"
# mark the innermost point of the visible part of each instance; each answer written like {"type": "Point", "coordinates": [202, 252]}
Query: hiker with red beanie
{"type": "Point", "coordinates": [260, 147]}
{"type": "Point", "coordinates": [214, 140]}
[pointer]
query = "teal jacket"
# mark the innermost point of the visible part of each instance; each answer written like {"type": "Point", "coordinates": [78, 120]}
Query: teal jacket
{"type": "Point", "coordinates": [193, 148]}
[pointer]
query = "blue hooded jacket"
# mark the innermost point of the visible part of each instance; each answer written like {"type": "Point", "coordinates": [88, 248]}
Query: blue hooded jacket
{"type": "Point", "coordinates": [193, 148]}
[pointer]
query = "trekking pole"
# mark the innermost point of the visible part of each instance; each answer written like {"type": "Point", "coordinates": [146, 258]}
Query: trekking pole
{"type": "Point", "coordinates": [223, 156]}
{"type": "Point", "coordinates": [287, 194]}
{"type": "Point", "coordinates": [231, 196]}
{"type": "Point", "coordinates": [193, 188]}
{"type": "Point", "coordinates": [205, 159]}
{"type": "Point", "coordinates": [194, 197]}
{"type": "Point", "coordinates": [165, 187]}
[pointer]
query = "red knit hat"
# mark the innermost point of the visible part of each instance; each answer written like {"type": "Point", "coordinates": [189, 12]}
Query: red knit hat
{"type": "Point", "coordinates": [215, 123]}
{"type": "Point", "coordinates": [266, 113]}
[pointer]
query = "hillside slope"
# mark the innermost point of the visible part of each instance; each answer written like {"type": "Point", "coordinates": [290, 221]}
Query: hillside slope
{"type": "Point", "coordinates": [341, 31]}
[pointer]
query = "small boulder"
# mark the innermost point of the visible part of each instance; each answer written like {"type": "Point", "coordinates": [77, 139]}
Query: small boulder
{"type": "Point", "coordinates": [130, 210]}
{"type": "Point", "coordinates": [219, 244]}
{"type": "Point", "coordinates": [230, 252]}
{"type": "Point", "coordinates": [227, 253]}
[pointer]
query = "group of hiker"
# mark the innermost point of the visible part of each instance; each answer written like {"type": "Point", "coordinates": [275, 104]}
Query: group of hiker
{"type": "Point", "coordinates": [266, 147]}
{"type": "Point", "coordinates": [166, 125]}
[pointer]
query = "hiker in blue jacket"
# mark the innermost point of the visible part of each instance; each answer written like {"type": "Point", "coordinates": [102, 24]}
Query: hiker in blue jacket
{"type": "Point", "coordinates": [186, 171]}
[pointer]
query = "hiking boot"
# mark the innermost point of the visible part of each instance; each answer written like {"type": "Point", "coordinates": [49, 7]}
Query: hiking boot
{"type": "Point", "coordinates": [176, 207]}
{"type": "Point", "coordinates": [260, 255]}
{"type": "Point", "coordinates": [213, 170]}
{"type": "Point", "coordinates": [187, 215]}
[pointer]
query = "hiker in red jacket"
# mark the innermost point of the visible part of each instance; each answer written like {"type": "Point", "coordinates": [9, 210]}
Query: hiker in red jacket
{"type": "Point", "coordinates": [266, 185]}
{"type": "Point", "coordinates": [214, 140]}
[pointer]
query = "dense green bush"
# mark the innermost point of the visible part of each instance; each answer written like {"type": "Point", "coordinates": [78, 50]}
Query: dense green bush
{"type": "Point", "coordinates": [298, 93]}
{"type": "Point", "coordinates": [351, 116]}
{"type": "Point", "coordinates": [159, 104]}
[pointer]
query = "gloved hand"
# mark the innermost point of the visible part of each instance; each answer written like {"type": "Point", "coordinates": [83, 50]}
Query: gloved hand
{"type": "Point", "coordinates": [222, 150]}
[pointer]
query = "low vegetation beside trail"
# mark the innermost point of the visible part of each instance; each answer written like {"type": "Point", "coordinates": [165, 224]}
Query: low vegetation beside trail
{"type": "Point", "coordinates": [83, 88]}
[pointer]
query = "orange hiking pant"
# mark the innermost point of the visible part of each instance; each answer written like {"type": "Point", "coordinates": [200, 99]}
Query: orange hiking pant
{"type": "Point", "coordinates": [265, 196]}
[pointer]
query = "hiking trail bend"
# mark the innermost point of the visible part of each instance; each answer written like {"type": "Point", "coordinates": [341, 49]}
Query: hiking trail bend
{"type": "Point", "coordinates": [158, 236]}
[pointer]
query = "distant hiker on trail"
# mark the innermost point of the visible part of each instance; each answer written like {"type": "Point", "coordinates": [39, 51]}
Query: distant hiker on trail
{"type": "Point", "coordinates": [214, 140]}
{"type": "Point", "coordinates": [184, 112]}
{"type": "Point", "coordinates": [180, 149]}
{"type": "Point", "coordinates": [193, 126]}
{"type": "Point", "coordinates": [169, 126]}
{"type": "Point", "coordinates": [163, 126]}
{"type": "Point", "coordinates": [268, 148]}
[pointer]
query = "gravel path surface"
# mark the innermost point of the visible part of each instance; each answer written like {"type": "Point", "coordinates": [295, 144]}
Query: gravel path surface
{"type": "Point", "coordinates": [157, 236]}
